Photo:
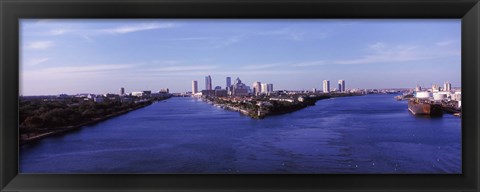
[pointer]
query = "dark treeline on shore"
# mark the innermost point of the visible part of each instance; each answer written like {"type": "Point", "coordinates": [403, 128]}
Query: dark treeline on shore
{"type": "Point", "coordinates": [40, 116]}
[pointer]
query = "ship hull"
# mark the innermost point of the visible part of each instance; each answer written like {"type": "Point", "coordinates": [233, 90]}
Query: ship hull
{"type": "Point", "coordinates": [419, 108]}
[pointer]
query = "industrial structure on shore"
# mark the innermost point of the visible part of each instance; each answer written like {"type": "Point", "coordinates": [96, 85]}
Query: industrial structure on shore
{"type": "Point", "coordinates": [434, 101]}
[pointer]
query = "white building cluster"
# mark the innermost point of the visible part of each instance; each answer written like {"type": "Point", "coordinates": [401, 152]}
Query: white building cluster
{"type": "Point", "coordinates": [238, 88]}
{"type": "Point", "coordinates": [341, 86]}
{"type": "Point", "coordinates": [437, 93]}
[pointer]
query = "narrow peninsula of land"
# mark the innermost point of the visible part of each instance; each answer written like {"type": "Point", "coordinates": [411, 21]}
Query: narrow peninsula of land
{"type": "Point", "coordinates": [43, 116]}
{"type": "Point", "coordinates": [262, 106]}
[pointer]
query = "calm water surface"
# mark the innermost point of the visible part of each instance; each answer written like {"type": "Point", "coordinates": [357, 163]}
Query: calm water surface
{"type": "Point", "coordinates": [365, 134]}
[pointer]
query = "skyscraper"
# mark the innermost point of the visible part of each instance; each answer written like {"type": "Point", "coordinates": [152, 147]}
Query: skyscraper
{"type": "Point", "coordinates": [263, 88]}
{"type": "Point", "coordinates": [341, 85]}
{"type": "Point", "coordinates": [122, 91]}
{"type": "Point", "coordinates": [257, 87]}
{"type": "Point", "coordinates": [229, 83]}
{"type": "Point", "coordinates": [239, 88]}
{"type": "Point", "coordinates": [208, 83]}
{"type": "Point", "coordinates": [326, 86]}
{"type": "Point", "coordinates": [194, 87]}
{"type": "Point", "coordinates": [447, 86]}
{"type": "Point", "coordinates": [269, 87]}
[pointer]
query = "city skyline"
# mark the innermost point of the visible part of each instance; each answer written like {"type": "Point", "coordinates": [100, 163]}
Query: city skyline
{"type": "Point", "coordinates": [99, 56]}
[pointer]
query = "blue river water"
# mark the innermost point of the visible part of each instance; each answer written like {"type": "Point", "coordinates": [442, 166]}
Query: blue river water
{"type": "Point", "coordinates": [362, 134]}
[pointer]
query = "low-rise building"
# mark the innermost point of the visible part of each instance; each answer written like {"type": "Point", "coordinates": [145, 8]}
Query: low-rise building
{"type": "Point", "coordinates": [98, 99]}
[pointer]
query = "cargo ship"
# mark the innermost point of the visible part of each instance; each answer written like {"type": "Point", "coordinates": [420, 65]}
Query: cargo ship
{"type": "Point", "coordinates": [418, 107]}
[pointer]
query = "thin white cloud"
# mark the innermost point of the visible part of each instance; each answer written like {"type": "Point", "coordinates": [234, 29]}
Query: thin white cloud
{"type": "Point", "coordinates": [445, 43]}
{"type": "Point", "coordinates": [89, 33]}
{"type": "Point", "coordinates": [188, 39]}
{"type": "Point", "coordinates": [137, 27]}
{"type": "Point", "coordinates": [58, 31]}
{"type": "Point", "coordinates": [36, 61]}
{"type": "Point", "coordinates": [86, 37]}
{"type": "Point", "coordinates": [184, 68]}
{"type": "Point", "coordinates": [264, 66]}
{"type": "Point", "coordinates": [379, 46]}
{"type": "Point", "coordinates": [381, 53]}
{"type": "Point", "coordinates": [39, 45]}
{"type": "Point", "coordinates": [294, 35]}
{"type": "Point", "coordinates": [166, 62]}
{"type": "Point", "coordinates": [99, 73]}
{"type": "Point", "coordinates": [229, 41]}
{"type": "Point", "coordinates": [308, 64]}
{"type": "Point", "coordinates": [90, 68]}
{"type": "Point", "coordinates": [219, 72]}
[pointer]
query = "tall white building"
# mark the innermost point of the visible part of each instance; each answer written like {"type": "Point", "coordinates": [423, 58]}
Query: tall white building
{"type": "Point", "coordinates": [326, 86]}
{"type": "Point", "coordinates": [208, 83]}
{"type": "Point", "coordinates": [447, 86]}
{"type": "Point", "coordinates": [257, 87]}
{"type": "Point", "coordinates": [341, 85]}
{"type": "Point", "coordinates": [264, 88]}
{"type": "Point", "coordinates": [194, 87]}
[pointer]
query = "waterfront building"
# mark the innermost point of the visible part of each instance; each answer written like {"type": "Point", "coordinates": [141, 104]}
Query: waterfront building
{"type": "Point", "coordinates": [220, 92]}
{"type": "Point", "coordinates": [122, 91]}
{"type": "Point", "coordinates": [239, 88]}
{"type": "Point", "coordinates": [269, 87]}
{"type": "Point", "coordinates": [98, 99]}
{"type": "Point", "coordinates": [257, 88]}
{"type": "Point", "coordinates": [435, 88]}
{"type": "Point", "coordinates": [418, 88]}
{"type": "Point", "coordinates": [91, 96]}
{"type": "Point", "coordinates": [165, 90]}
{"type": "Point", "coordinates": [423, 94]}
{"type": "Point", "coordinates": [341, 85]}
{"type": "Point", "coordinates": [107, 95]}
{"type": "Point", "coordinates": [229, 83]}
{"type": "Point", "coordinates": [208, 83]}
{"type": "Point", "coordinates": [326, 86]}
{"type": "Point", "coordinates": [141, 93]}
{"type": "Point", "coordinates": [447, 86]}
{"type": "Point", "coordinates": [438, 96]}
{"type": "Point", "coordinates": [314, 90]}
{"type": "Point", "coordinates": [457, 96]}
{"type": "Point", "coordinates": [208, 92]}
{"type": "Point", "coordinates": [217, 88]}
{"type": "Point", "coordinates": [290, 100]}
{"type": "Point", "coordinates": [194, 87]}
{"type": "Point", "coordinates": [137, 93]}
{"type": "Point", "coordinates": [146, 93]}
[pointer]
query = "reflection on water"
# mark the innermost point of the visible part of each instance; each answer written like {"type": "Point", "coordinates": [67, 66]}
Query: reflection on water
{"type": "Point", "coordinates": [365, 134]}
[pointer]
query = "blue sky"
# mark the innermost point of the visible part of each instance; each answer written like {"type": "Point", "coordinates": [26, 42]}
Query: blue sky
{"type": "Point", "coordinates": [100, 56]}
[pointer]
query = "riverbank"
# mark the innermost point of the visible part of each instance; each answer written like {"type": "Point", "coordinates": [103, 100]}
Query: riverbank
{"type": "Point", "coordinates": [25, 138]}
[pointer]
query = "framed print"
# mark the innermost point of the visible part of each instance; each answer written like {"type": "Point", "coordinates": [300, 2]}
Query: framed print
{"type": "Point", "coordinates": [251, 95]}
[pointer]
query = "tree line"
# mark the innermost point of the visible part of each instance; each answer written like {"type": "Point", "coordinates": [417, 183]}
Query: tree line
{"type": "Point", "coordinates": [37, 116]}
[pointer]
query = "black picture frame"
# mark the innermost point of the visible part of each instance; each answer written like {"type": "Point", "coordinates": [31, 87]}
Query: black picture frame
{"type": "Point", "coordinates": [13, 10]}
